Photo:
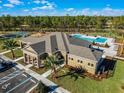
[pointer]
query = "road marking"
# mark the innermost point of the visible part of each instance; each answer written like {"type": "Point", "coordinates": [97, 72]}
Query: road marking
{"type": "Point", "coordinates": [10, 76]}
{"type": "Point", "coordinates": [6, 85]}
{"type": "Point", "coordinates": [14, 68]}
{"type": "Point", "coordinates": [25, 75]}
{"type": "Point", "coordinates": [19, 85]}
{"type": "Point", "coordinates": [33, 81]}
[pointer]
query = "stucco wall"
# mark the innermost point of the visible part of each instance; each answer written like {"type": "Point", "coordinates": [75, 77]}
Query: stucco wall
{"type": "Point", "coordinates": [76, 61]}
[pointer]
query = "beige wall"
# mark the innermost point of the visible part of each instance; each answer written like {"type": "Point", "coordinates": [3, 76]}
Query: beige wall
{"type": "Point", "coordinates": [74, 62]}
{"type": "Point", "coordinates": [84, 64]}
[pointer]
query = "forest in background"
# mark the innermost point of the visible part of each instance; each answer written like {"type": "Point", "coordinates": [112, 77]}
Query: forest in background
{"type": "Point", "coordinates": [60, 23]}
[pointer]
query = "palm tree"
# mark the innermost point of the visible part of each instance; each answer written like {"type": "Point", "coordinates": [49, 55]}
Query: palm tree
{"type": "Point", "coordinates": [41, 88]}
{"type": "Point", "coordinates": [10, 45]}
{"type": "Point", "coordinates": [52, 62]}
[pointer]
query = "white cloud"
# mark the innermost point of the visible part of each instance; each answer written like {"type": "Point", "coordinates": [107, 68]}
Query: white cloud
{"type": "Point", "coordinates": [0, 1]}
{"type": "Point", "coordinates": [16, 2]}
{"type": "Point", "coordinates": [8, 5]}
{"type": "Point", "coordinates": [107, 11]}
{"type": "Point", "coordinates": [108, 5]}
{"type": "Point", "coordinates": [112, 12]}
{"type": "Point", "coordinates": [69, 9]}
{"type": "Point", "coordinates": [37, 1]}
{"type": "Point", "coordinates": [43, 8]}
{"type": "Point", "coordinates": [44, 2]}
{"type": "Point", "coordinates": [36, 8]}
{"type": "Point", "coordinates": [46, 5]}
{"type": "Point", "coordinates": [4, 13]}
{"type": "Point", "coordinates": [85, 11]}
{"type": "Point", "coordinates": [26, 10]}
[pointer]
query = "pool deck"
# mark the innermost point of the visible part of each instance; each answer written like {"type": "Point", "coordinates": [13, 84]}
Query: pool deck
{"type": "Point", "coordinates": [111, 51]}
{"type": "Point", "coordinates": [103, 40]}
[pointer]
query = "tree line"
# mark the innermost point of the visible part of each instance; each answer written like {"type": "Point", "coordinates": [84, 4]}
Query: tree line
{"type": "Point", "coordinates": [38, 23]}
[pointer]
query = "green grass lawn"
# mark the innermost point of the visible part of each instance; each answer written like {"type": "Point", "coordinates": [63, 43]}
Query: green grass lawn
{"type": "Point", "coordinates": [18, 53]}
{"type": "Point", "coordinates": [22, 62]}
{"type": "Point", "coordinates": [87, 85]}
{"type": "Point", "coordinates": [39, 70]}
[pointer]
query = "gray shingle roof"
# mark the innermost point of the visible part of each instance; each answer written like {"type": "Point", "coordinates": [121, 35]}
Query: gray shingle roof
{"type": "Point", "coordinates": [54, 44]}
{"type": "Point", "coordinates": [63, 42]}
{"type": "Point", "coordinates": [78, 42]}
{"type": "Point", "coordinates": [39, 47]}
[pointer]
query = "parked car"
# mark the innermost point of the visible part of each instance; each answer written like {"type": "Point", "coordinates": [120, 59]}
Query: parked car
{"type": "Point", "coordinates": [6, 65]}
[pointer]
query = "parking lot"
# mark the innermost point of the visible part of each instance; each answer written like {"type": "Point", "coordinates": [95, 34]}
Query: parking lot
{"type": "Point", "coordinates": [15, 80]}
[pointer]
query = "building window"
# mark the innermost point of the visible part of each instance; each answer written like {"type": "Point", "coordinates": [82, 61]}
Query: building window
{"type": "Point", "coordinates": [92, 65]}
{"type": "Point", "coordinates": [88, 64]}
{"type": "Point", "coordinates": [71, 58]}
{"type": "Point", "coordinates": [78, 60]}
{"type": "Point", "coordinates": [81, 61]}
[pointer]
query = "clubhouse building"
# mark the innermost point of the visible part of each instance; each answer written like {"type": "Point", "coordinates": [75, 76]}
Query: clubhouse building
{"type": "Point", "coordinates": [75, 52]}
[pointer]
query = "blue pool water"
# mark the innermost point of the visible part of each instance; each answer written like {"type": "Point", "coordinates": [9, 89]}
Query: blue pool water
{"type": "Point", "coordinates": [96, 40]}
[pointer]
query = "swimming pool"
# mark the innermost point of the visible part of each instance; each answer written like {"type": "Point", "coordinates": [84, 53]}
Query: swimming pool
{"type": "Point", "coordinates": [100, 40]}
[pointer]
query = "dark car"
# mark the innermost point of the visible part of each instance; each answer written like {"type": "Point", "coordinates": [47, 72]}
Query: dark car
{"type": "Point", "coordinates": [6, 65]}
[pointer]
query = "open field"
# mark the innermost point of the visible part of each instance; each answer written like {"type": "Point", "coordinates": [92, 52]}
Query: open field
{"type": "Point", "coordinates": [87, 85]}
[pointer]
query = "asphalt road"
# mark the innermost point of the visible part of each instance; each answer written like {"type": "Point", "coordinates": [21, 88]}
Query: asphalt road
{"type": "Point", "coordinates": [16, 83]}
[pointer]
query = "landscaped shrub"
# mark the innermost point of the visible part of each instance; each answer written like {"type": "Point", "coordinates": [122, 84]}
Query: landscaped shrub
{"type": "Point", "coordinates": [41, 88]}
{"type": "Point", "coordinates": [122, 87]}
{"type": "Point", "coordinates": [106, 45]}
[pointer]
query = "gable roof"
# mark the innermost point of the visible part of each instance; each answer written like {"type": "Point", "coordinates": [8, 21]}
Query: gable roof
{"type": "Point", "coordinates": [38, 47]}
{"type": "Point", "coordinates": [63, 42]}
{"type": "Point", "coordinates": [78, 42]}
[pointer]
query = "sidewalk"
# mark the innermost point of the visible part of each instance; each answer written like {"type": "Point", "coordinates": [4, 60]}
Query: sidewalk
{"type": "Point", "coordinates": [120, 58]}
{"type": "Point", "coordinates": [18, 59]}
{"type": "Point", "coordinates": [46, 74]}
{"type": "Point", "coordinates": [8, 51]}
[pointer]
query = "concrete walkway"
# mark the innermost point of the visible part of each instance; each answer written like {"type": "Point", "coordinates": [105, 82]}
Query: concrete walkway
{"type": "Point", "coordinates": [46, 74]}
{"type": "Point", "coordinates": [8, 51]}
{"type": "Point", "coordinates": [120, 58]}
{"type": "Point", "coordinates": [46, 81]}
{"type": "Point", "coordinates": [18, 59]}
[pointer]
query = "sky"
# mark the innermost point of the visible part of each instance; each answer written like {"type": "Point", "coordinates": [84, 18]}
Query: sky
{"type": "Point", "coordinates": [61, 7]}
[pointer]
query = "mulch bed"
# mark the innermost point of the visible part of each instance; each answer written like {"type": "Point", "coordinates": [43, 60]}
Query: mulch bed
{"type": "Point", "coordinates": [122, 87]}
{"type": "Point", "coordinates": [89, 75]}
